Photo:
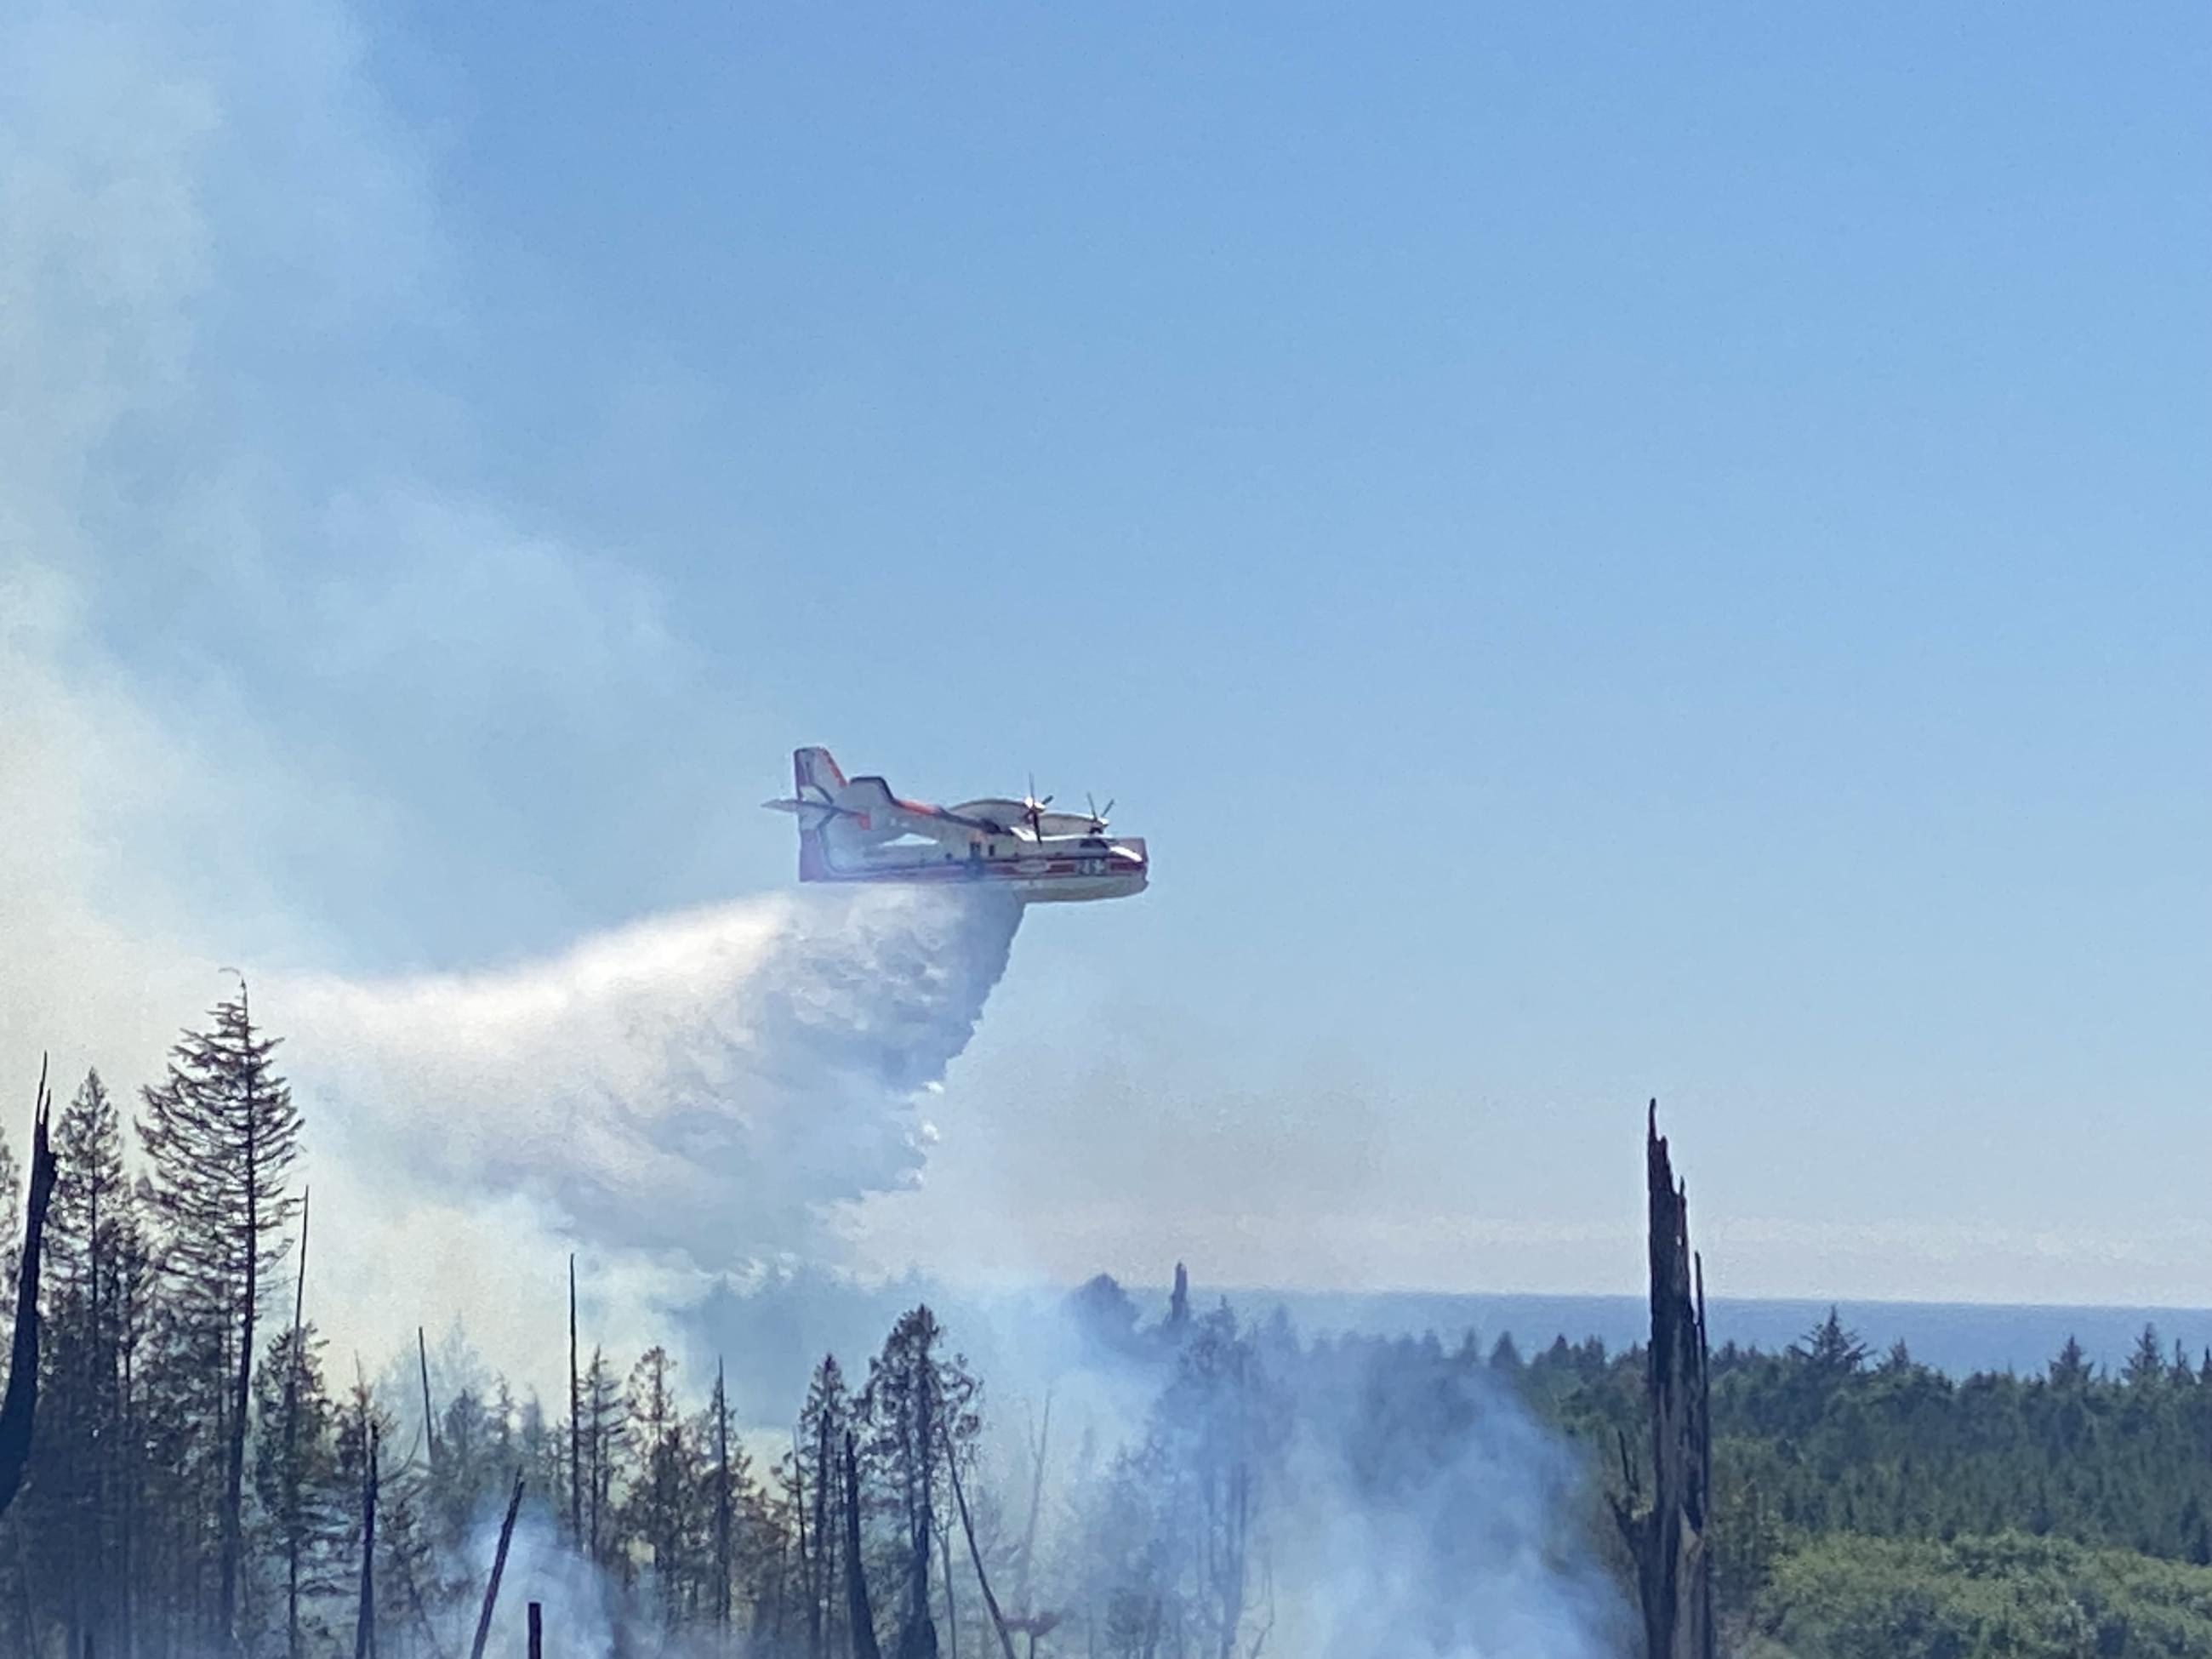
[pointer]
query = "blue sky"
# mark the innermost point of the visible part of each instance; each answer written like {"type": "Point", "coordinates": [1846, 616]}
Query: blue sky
{"type": "Point", "coordinates": [1610, 554]}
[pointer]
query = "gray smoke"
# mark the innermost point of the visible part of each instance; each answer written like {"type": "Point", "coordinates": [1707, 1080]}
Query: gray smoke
{"type": "Point", "coordinates": [1430, 1539]}
{"type": "Point", "coordinates": [1404, 1503]}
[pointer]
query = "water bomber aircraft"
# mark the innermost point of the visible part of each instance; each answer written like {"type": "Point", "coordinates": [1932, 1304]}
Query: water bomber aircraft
{"type": "Point", "coordinates": [856, 829]}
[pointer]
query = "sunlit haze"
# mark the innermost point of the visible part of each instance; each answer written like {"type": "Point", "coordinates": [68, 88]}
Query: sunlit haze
{"type": "Point", "coordinates": [1608, 554]}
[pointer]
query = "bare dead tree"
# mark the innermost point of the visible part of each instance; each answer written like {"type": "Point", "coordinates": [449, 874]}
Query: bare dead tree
{"type": "Point", "coordinates": [952, 1600]}
{"type": "Point", "coordinates": [364, 1625]}
{"type": "Point", "coordinates": [820, 1585]}
{"type": "Point", "coordinates": [292, 1540]}
{"type": "Point", "coordinates": [725, 1518]}
{"type": "Point", "coordinates": [805, 1557]}
{"type": "Point", "coordinates": [1666, 1537]}
{"type": "Point", "coordinates": [1041, 1444]}
{"type": "Point", "coordinates": [976, 1555]}
{"type": "Point", "coordinates": [575, 1422]}
{"type": "Point", "coordinates": [862, 1616]}
{"type": "Point", "coordinates": [430, 1417]}
{"type": "Point", "coordinates": [418, 1606]}
{"type": "Point", "coordinates": [19, 1407]}
{"type": "Point", "coordinates": [498, 1569]}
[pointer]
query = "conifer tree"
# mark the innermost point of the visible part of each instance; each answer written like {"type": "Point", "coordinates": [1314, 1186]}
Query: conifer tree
{"type": "Point", "coordinates": [921, 1409]}
{"type": "Point", "coordinates": [603, 1437]}
{"type": "Point", "coordinates": [726, 1500]}
{"type": "Point", "coordinates": [220, 1134]}
{"type": "Point", "coordinates": [822, 1424]}
{"type": "Point", "coordinates": [11, 1231]}
{"type": "Point", "coordinates": [82, 1496]}
{"type": "Point", "coordinates": [2071, 1369]}
{"type": "Point", "coordinates": [656, 1518]}
{"type": "Point", "coordinates": [303, 1501]}
{"type": "Point", "coordinates": [2146, 1360]}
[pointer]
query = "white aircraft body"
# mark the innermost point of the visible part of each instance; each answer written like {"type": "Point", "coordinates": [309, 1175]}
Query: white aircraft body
{"type": "Point", "coordinates": [856, 829]}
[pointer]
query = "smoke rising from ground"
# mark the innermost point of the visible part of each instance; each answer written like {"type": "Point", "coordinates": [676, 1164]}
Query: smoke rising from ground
{"type": "Point", "coordinates": [1445, 1533]}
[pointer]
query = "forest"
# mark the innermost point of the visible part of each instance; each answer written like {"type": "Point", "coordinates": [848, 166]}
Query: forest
{"type": "Point", "coordinates": [200, 1483]}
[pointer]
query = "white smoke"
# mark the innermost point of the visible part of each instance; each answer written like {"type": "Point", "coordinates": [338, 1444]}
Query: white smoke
{"type": "Point", "coordinates": [708, 1084]}
{"type": "Point", "coordinates": [209, 228]}
{"type": "Point", "coordinates": [1408, 1545]}
{"type": "Point", "coordinates": [1404, 1502]}
{"type": "Point", "coordinates": [685, 1101]}
{"type": "Point", "coordinates": [579, 1616]}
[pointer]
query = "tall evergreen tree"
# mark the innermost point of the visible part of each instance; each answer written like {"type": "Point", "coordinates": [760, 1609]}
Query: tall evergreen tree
{"type": "Point", "coordinates": [603, 1441]}
{"type": "Point", "coordinates": [83, 1491]}
{"type": "Point", "coordinates": [656, 1507]}
{"type": "Point", "coordinates": [302, 1499]}
{"type": "Point", "coordinates": [822, 1424]}
{"type": "Point", "coordinates": [11, 1231]}
{"type": "Point", "coordinates": [920, 1406]}
{"type": "Point", "coordinates": [220, 1134]}
{"type": "Point", "coordinates": [2146, 1361]}
{"type": "Point", "coordinates": [725, 1502]}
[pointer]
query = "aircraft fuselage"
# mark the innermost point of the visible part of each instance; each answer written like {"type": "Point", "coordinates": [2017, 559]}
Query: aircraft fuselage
{"type": "Point", "coordinates": [857, 831]}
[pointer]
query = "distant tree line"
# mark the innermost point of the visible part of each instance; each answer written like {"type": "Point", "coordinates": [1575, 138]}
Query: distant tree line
{"type": "Point", "coordinates": [1827, 1454]}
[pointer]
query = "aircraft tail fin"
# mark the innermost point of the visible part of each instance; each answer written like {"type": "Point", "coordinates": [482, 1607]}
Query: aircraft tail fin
{"type": "Point", "coordinates": [817, 781]}
{"type": "Point", "coordinates": [813, 856]}
{"type": "Point", "coordinates": [812, 769]}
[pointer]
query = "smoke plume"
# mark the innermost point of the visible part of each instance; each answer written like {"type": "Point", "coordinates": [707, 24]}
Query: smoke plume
{"type": "Point", "coordinates": [1446, 1532]}
{"type": "Point", "coordinates": [708, 1084]}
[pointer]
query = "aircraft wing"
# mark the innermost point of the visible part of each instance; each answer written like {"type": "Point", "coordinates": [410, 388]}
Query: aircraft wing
{"type": "Point", "coordinates": [941, 822]}
{"type": "Point", "coordinates": [992, 815]}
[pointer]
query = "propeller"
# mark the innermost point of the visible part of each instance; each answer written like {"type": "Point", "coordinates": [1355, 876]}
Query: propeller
{"type": "Point", "coordinates": [1098, 817]}
{"type": "Point", "coordinates": [1033, 809]}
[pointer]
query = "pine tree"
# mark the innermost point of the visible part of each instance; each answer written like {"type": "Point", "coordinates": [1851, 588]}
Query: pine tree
{"type": "Point", "coordinates": [921, 1410]}
{"type": "Point", "coordinates": [2071, 1369]}
{"type": "Point", "coordinates": [93, 1256]}
{"type": "Point", "coordinates": [2146, 1360]}
{"type": "Point", "coordinates": [541, 1448]}
{"type": "Point", "coordinates": [221, 1134]}
{"type": "Point", "coordinates": [1830, 1352]}
{"type": "Point", "coordinates": [11, 1231]}
{"type": "Point", "coordinates": [725, 1502]}
{"type": "Point", "coordinates": [303, 1500]}
{"type": "Point", "coordinates": [822, 1424]}
{"type": "Point", "coordinates": [656, 1507]}
{"type": "Point", "coordinates": [603, 1437]}
{"type": "Point", "coordinates": [474, 1463]}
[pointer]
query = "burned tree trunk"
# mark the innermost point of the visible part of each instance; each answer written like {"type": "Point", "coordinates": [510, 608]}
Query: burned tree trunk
{"type": "Point", "coordinates": [575, 1425]}
{"type": "Point", "coordinates": [820, 1585]}
{"type": "Point", "coordinates": [498, 1571]}
{"type": "Point", "coordinates": [429, 1416]}
{"type": "Point", "coordinates": [364, 1627]}
{"type": "Point", "coordinates": [20, 1404]}
{"type": "Point", "coordinates": [292, 1541]}
{"type": "Point", "coordinates": [856, 1576]}
{"type": "Point", "coordinates": [1665, 1539]}
{"type": "Point", "coordinates": [998, 1621]}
